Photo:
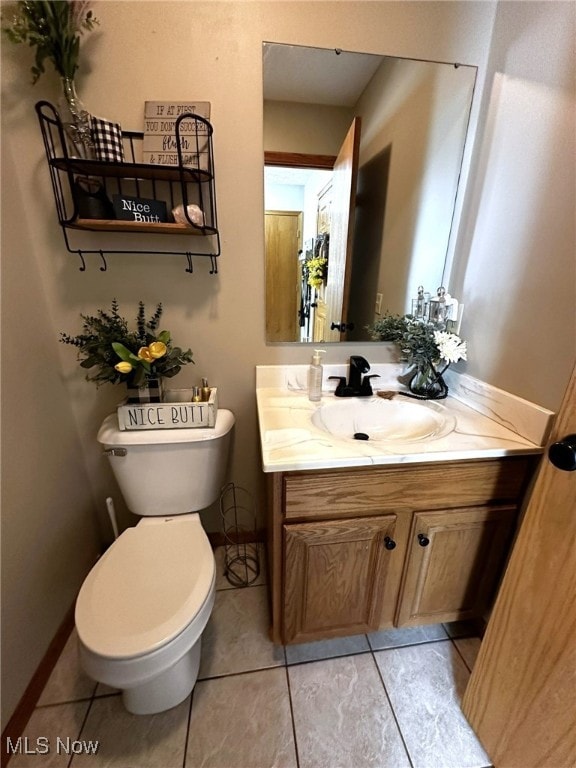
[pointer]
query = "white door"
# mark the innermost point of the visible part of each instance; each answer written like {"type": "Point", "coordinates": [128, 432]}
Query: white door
{"type": "Point", "coordinates": [342, 232]}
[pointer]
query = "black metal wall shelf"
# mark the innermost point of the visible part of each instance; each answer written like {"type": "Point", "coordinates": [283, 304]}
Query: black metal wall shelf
{"type": "Point", "coordinates": [178, 185]}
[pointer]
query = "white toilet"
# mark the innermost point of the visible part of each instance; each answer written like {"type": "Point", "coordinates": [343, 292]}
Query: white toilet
{"type": "Point", "coordinates": [142, 608]}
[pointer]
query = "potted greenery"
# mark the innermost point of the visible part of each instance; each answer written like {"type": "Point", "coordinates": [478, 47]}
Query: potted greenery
{"type": "Point", "coordinates": [424, 347]}
{"type": "Point", "coordinates": [140, 358]}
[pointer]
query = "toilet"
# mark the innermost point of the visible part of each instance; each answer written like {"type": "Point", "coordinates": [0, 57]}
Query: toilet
{"type": "Point", "coordinates": [142, 609]}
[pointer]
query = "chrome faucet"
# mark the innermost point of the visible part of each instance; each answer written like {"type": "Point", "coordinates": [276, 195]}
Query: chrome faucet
{"type": "Point", "coordinates": [358, 385]}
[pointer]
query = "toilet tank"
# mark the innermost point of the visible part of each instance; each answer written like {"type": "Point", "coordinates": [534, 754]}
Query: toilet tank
{"type": "Point", "coordinates": [168, 471]}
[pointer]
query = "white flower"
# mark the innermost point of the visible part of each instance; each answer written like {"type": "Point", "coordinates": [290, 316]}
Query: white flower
{"type": "Point", "coordinates": [450, 346]}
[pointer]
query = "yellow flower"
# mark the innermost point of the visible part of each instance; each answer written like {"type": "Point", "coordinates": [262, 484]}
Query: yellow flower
{"type": "Point", "coordinates": [123, 367]}
{"type": "Point", "coordinates": [157, 349]}
{"type": "Point", "coordinates": [145, 354]}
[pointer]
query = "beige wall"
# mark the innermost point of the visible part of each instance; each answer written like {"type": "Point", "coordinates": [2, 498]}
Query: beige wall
{"type": "Point", "coordinates": [55, 480]}
{"type": "Point", "coordinates": [417, 113]}
{"type": "Point", "coordinates": [516, 258]}
{"type": "Point", "coordinates": [306, 128]}
{"type": "Point", "coordinates": [49, 531]}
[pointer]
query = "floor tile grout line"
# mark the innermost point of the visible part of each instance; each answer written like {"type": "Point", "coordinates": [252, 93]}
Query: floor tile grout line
{"type": "Point", "coordinates": [187, 737]}
{"type": "Point", "coordinates": [459, 652]}
{"type": "Point", "coordinates": [240, 672]}
{"type": "Point", "coordinates": [244, 672]}
{"type": "Point", "coordinates": [392, 706]}
{"type": "Point", "coordinates": [411, 645]}
{"type": "Point", "coordinates": [107, 695]}
{"type": "Point", "coordinates": [51, 704]}
{"type": "Point", "coordinates": [292, 716]}
{"type": "Point", "coordinates": [370, 649]}
{"type": "Point", "coordinates": [84, 721]}
{"type": "Point", "coordinates": [327, 658]}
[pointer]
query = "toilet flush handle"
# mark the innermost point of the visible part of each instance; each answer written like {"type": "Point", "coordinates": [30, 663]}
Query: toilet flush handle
{"type": "Point", "coordinates": [115, 451]}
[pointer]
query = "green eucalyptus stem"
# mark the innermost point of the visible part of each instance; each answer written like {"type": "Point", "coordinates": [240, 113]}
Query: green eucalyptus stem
{"type": "Point", "coordinates": [53, 28]}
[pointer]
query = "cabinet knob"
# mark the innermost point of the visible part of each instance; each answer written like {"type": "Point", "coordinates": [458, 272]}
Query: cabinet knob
{"type": "Point", "coordinates": [389, 543]}
{"type": "Point", "coordinates": [423, 540]}
{"type": "Point", "coordinates": [563, 453]}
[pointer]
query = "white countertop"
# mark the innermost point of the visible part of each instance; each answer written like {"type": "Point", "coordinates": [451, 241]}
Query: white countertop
{"type": "Point", "coordinates": [290, 441]}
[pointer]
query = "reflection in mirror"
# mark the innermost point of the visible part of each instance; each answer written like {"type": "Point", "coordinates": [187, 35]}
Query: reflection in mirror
{"type": "Point", "coordinates": [391, 232]}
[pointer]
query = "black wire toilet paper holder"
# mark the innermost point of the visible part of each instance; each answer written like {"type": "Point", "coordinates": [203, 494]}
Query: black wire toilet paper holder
{"type": "Point", "coordinates": [241, 552]}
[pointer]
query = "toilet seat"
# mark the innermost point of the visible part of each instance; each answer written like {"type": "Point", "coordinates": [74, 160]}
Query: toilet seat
{"type": "Point", "coordinates": [147, 587]}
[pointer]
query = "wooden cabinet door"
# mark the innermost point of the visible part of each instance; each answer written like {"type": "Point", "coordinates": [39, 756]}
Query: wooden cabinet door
{"type": "Point", "coordinates": [335, 577]}
{"type": "Point", "coordinates": [454, 561]}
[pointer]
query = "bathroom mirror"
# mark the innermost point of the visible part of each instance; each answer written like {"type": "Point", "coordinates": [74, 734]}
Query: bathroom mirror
{"type": "Point", "coordinates": [413, 118]}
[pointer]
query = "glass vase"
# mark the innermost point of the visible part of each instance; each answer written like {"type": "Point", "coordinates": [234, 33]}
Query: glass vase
{"type": "Point", "coordinates": [76, 122]}
{"type": "Point", "coordinates": [427, 383]}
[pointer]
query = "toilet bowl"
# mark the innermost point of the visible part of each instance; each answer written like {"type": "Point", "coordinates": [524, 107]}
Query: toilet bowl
{"type": "Point", "coordinates": [142, 608]}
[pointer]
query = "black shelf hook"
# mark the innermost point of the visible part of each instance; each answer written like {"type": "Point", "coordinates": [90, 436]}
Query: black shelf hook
{"type": "Point", "coordinates": [81, 255]}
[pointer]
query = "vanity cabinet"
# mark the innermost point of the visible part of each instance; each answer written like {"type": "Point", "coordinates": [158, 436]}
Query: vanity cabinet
{"type": "Point", "coordinates": [356, 550]}
{"type": "Point", "coordinates": [453, 563]}
{"type": "Point", "coordinates": [337, 574]}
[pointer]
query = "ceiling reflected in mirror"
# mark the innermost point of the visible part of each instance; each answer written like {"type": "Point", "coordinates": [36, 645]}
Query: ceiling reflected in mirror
{"type": "Point", "coordinates": [306, 75]}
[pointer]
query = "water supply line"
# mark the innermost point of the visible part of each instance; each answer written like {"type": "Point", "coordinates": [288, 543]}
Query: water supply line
{"type": "Point", "coordinates": [112, 515]}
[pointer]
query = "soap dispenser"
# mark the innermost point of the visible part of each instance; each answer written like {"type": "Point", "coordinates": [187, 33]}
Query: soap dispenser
{"type": "Point", "coordinates": [315, 376]}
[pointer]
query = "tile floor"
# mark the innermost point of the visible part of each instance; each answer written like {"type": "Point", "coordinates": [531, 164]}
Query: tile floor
{"type": "Point", "coordinates": [388, 699]}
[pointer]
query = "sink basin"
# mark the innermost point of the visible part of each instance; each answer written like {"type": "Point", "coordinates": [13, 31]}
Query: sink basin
{"type": "Point", "coordinates": [398, 420]}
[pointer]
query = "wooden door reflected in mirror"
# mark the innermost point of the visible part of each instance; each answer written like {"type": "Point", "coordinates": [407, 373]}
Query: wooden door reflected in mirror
{"type": "Point", "coordinates": [283, 243]}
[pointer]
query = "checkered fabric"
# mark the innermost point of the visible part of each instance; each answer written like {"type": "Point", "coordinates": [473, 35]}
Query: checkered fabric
{"type": "Point", "coordinates": [152, 392]}
{"type": "Point", "coordinates": [107, 138]}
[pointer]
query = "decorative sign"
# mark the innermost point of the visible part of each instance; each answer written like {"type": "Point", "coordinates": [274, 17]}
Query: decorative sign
{"type": "Point", "coordinates": [159, 144]}
{"type": "Point", "coordinates": [139, 209]}
{"type": "Point", "coordinates": [179, 413]}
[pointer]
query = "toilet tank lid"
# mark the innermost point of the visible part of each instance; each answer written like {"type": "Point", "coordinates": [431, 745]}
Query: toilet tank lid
{"type": "Point", "coordinates": [110, 434]}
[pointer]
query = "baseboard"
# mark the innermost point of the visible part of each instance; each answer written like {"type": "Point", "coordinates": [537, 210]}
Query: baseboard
{"type": "Point", "coordinates": [218, 539]}
{"type": "Point", "coordinates": [17, 723]}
